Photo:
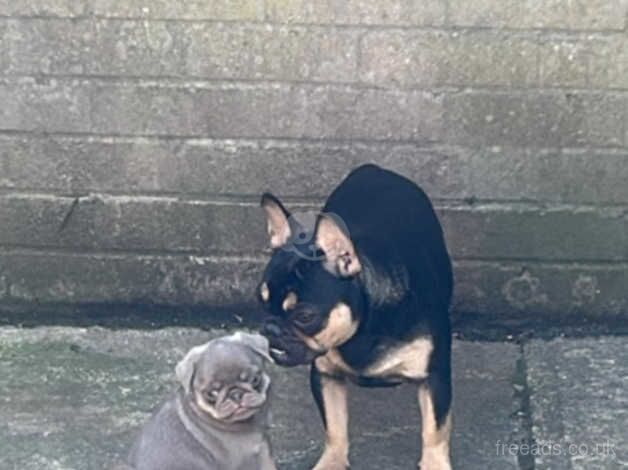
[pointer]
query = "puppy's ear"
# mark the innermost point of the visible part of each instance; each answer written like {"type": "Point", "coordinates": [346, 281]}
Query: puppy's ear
{"type": "Point", "coordinates": [333, 239]}
{"type": "Point", "coordinates": [257, 343]}
{"type": "Point", "coordinates": [185, 368]}
{"type": "Point", "coordinates": [277, 220]}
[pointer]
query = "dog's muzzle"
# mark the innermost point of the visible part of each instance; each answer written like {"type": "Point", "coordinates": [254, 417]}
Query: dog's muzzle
{"type": "Point", "coordinates": [286, 348]}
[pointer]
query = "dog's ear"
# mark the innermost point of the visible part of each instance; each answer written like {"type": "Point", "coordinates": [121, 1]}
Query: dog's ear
{"type": "Point", "coordinates": [185, 368]}
{"type": "Point", "coordinates": [333, 239]}
{"type": "Point", "coordinates": [277, 220]}
{"type": "Point", "coordinates": [258, 343]}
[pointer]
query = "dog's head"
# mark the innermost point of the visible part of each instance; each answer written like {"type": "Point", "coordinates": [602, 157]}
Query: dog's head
{"type": "Point", "coordinates": [226, 378]}
{"type": "Point", "coordinates": [310, 287]}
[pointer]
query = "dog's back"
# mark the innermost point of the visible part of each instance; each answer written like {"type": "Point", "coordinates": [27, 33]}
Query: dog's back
{"type": "Point", "coordinates": [393, 224]}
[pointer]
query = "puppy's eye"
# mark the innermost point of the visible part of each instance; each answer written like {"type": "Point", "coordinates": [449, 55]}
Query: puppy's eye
{"type": "Point", "coordinates": [211, 396]}
{"type": "Point", "coordinates": [256, 382]}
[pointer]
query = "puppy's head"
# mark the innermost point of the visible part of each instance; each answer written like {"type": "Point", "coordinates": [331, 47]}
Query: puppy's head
{"type": "Point", "coordinates": [226, 377]}
{"type": "Point", "coordinates": [314, 302]}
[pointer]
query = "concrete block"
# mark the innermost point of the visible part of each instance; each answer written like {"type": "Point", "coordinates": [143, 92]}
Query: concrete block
{"type": "Point", "coordinates": [367, 12]}
{"type": "Point", "coordinates": [609, 62]}
{"type": "Point", "coordinates": [409, 58]}
{"type": "Point", "coordinates": [374, 114]}
{"type": "Point", "coordinates": [44, 105]}
{"type": "Point", "coordinates": [5, 59]}
{"type": "Point", "coordinates": [578, 402]}
{"type": "Point", "coordinates": [485, 287]}
{"type": "Point", "coordinates": [491, 232]}
{"type": "Point", "coordinates": [231, 111]}
{"type": "Point", "coordinates": [213, 111]}
{"type": "Point", "coordinates": [244, 10]}
{"type": "Point", "coordinates": [539, 119]}
{"type": "Point", "coordinates": [50, 8]}
{"type": "Point", "coordinates": [586, 176]}
{"type": "Point", "coordinates": [515, 288]}
{"type": "Point", "coordinates": [271, 52]}
{"type": "Point", "coordinates": [48, 46]}
{"type": "Point", "coordinates": [112, 47]}
{"type": "Point", "coordinates": [596, 15]}
{"type": "Point", "coordinates": [511, 232]}
{"type": "Point", "coordinates": [77, 166]}
{"type": "Point", "coordinates": [172, 280]}
{"type": "Point", "coordinates": [138, 224]}
{"type": "Point", "coordinates": [565, 62]}
{"type": "Point", "coordinates": [137, 48]}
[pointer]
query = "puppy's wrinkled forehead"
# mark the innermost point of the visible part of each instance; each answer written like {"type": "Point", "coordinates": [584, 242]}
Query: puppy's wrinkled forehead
{"type": "Point", "coordinates": [226, 362]}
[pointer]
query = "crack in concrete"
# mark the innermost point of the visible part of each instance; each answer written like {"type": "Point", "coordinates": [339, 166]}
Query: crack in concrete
{"type": "Point", "coordinates": [522, 434]}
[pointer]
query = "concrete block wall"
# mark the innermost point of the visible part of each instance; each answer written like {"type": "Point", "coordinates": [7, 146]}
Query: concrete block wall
{"type": "Point", "coordinates": [136, 137]}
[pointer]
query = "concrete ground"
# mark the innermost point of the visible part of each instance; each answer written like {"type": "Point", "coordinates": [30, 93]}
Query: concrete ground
{"type": "Point", "coordinates": [73, 398]}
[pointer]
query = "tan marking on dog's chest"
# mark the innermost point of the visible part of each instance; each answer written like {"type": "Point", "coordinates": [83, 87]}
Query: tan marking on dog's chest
{"type": "Point", "coordinates": [409, 360]}
{"type": "Point", "coordinates": [333, 364]}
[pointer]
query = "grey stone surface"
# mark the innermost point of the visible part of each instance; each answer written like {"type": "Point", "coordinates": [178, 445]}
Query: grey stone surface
{"type": "Point", "coordinates": [74, 165]}
{"type": "Point", "coordinates": [458, 58]}
{"type": "Point", "coordinates": [32, 276]}
{"type": "Point", "coordinates": [592, 290]}
{"type": "Point", "coordinates": [524, 232]}
{"type": "Point", "coordinates": [587, 176]}
{"type": "Point", "coordinates": [493, 288]}
{"type": "Point", "coordinates": [43, 105]}
{"type": "Point", "coordinates": [565, 62]}
{"type": "Point", "coordinates": [207, 227]}
{"type": "Point", "coordinates": [136, 48]}
{"type": "Point", "coordinates": [288, 111]}
{"type": "Point", "coordinates": [528, 119]}
{"type": "Point", "coordinates": [276, 52]}
{"type": "Point", "coordinates": [511, 107]}
{"type": "Point", "coordinates": [74, 398]}
{"type": "Point", "coordinates": [553, 14]}
{"type": "Point", "coordinates": [51, 8]}
{"type": "Point", "coordinates": [354, 12]}
{"type": "Point", "coordinates": [78, 166]}
{"type": "Point", "coordinates": [233, 10]}
{"type": "Point", "coordinates": [47, 46]}
{"type": "Point", "coordinates": [609, 74]}
{"type": "Point", "coordinates": [579, 405]}
{"type": "Point", "coordinates": [140, 224]}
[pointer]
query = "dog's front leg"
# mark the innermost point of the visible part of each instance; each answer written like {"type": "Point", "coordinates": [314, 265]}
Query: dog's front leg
{"type": "Point", "coordinates": [435, 405]}
{"type": "Point", "coordinates": [330, 394]}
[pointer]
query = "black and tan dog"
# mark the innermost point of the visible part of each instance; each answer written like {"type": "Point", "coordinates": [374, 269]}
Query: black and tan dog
{"type": "Point", "coordinates": [367, 301]}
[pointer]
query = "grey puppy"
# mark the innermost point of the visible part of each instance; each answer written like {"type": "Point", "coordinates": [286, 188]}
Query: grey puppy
{"type": "Point", "coordinates": [219, 417]}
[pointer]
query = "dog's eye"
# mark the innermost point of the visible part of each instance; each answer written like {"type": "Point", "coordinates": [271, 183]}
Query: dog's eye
{"type": "Point", "coordinates": [256, 382]}
{"type": "Point", "coordinates": [264, 292]}
{"type": "Point", "coordinates": [289, 301]}
{"type": "Point", "coordinates": [211, 396]}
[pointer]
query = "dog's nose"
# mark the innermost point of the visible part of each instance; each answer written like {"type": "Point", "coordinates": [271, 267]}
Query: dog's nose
{"type": "Point", "coordinates": [236, 395]}
{"type": "Point", "coordinates": [271, 329]}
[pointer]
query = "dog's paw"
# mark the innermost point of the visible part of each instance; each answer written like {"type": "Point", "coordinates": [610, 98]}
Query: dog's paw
{"type": "Point", "coordinates": [330, 466]}
{"type": "Point", "coordinates": [434, 459]}
{"type": "Point", "coordinates": [332, 460]}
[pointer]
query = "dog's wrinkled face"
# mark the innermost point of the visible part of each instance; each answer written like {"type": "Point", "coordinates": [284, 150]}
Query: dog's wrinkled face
{"type": "Point", "coordinates": [313, 304]}
{"type": "Point", "coordinates": [226, 378]}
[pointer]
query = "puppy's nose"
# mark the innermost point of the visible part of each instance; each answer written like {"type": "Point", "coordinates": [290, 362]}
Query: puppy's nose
{"type": "Point", "coordinates": [236, 395]}
{"type": "Point", "coordinates": [271, 329]}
